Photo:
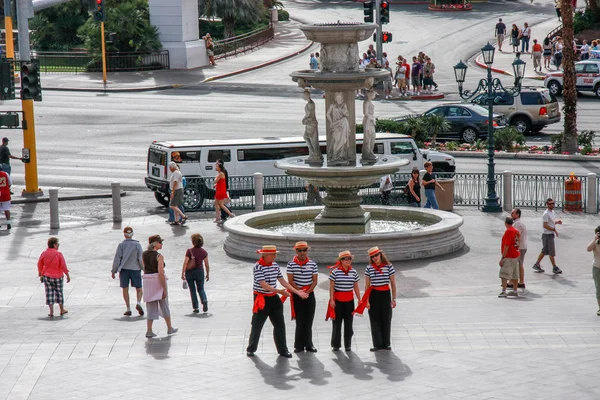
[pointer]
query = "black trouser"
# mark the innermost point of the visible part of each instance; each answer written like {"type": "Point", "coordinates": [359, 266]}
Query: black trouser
{"type": "Point", "coordinates": [305, 315]}
{"type": "Point", "coordinates": [380, 316]}
{"type": "Point", "coordinates": [274, 311]}
{"type": "Point", "coordinates": [343, 312]}
{"type": "Point", "coordinates": [385, 197]}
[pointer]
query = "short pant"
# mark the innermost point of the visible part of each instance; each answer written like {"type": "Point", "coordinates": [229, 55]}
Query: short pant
{"type": "Point", "coordinates": [416, 81]}
{"type": "Point", "coordinates": [401, 83]}
{"type": "Point", "coordinates": [387, 85]}
{"type": "Point", "coordinates": [548, 248]}
{"type": "Point", "coordinates": [596, 276]}
{"type": "Point", "coordinates": [522, 256]}
{"type": "Point", "coordinates": [510, 269]}
{"type": "Point", "coordinates": [5, 205]}
{"type": "Point", "coordinates": [500, 38]}
{"type": "Point", "coordinates": [130, 275]}
{"type": "Point", "coordinates": [177, 198]}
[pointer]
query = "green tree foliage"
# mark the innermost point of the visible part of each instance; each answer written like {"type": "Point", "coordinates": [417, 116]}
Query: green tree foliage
{"type": "Point", "coordinates": [507, 137]}
{"type": "Point", "coordinates": [56, 28]}
{"type": "Point", "coordinates": [232, 12]}
{"type": "Point", "coordinates": [435, 124]}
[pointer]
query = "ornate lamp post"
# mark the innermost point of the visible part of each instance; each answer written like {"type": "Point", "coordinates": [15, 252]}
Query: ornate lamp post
{"type": "Point", "coordinates": [493, 87]}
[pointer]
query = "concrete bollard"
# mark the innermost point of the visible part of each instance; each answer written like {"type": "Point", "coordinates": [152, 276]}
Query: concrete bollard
{"type": "Point", "coordinates": [54, 219]}
{"type": "Point", "coordinates": [259, 199]}
{"type": "Point", "coordinates": [507, 195]}
{"type": "Point", "coordinates": [116, 201]}
{"type": "Point", "coordinates": [591, 198]}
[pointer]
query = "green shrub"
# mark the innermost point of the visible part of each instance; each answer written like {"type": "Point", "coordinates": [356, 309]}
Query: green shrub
{"type": "Point", "coordinates": [452, 146]}
{"type": "Point", "coordinates": [359, 128]}
{"type": "Point", "coordinates": [506, 138]}
{"type": "Point", "coordinates": [556, 142]}
{"type": "Point", "coordinates": [587, 149]}
{"type": "Point", "coordinates": [583, 20]}
{"type": "Point", "coordinates": [283, 15]}
{"type": "Point", "coordinates": [586, 138]}
{"type": "Point", "coordinates": [387, 125]}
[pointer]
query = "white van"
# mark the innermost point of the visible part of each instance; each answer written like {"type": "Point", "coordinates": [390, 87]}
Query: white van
{"type": "Point", "coordinates": [196, 160]}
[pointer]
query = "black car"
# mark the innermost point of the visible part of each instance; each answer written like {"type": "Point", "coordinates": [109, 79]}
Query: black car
{"type": "Point", "coordinates": [468, 122]}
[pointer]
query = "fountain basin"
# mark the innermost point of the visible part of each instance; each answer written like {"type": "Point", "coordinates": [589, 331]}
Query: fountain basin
{"type": "Point", "coordinates": [440, 236]}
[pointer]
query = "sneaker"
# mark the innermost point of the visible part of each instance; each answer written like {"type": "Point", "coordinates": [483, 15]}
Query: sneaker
{"type": "Point", "coordinates": [556, 270]}
{"type": "Point", "coordinates": [502, 294]}
{"type": "Point", "coordinates": [139, 309]}
{"type": "Point", "coordinates": [8, 227]}
{"type": "Point", "coordinates": [521, 286]}
{"type": "Point", "coordinates": [150, 334]}
{"type": "Point", "coordinates": [127, 313]}
{"type": "Point", "coordinates": [598, 313]}
{"type": "Point", "coordinates": [172, 331]}
{"type": "Point", "coordinates": [196, 311]}
{"type": "Point", "coordinates": [513, 293]}
{"type": "Point", "coordinates": [537, 268]}
{"type": "Point", "coordinates": [205, 306]}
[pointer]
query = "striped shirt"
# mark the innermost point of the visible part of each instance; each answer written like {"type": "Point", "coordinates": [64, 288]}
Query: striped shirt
{"type": "Point", "coordinates": [268, 274]}
{"type": "Point", "coordinates": [380, 278]}
{"type": "Point", "coordinates": [343, 282]}
{"type": "Point", "coordinates": [303, 275]}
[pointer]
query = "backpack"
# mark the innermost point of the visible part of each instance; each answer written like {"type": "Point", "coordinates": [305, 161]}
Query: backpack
{"type": "Point", "coordinates": [183, 182]}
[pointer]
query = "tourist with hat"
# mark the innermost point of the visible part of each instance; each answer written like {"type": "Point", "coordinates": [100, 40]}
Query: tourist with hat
{"type": "Point", "coordinates": [343, 284]}
{"type": "Point", "coordinates": [155, 286]}
{"type": "Point", "coordinates": [128, 263]}
{"type": "Point", "coordinates": [51, 269]}
{"type": "Point", "coordinates": [267, 303]}
{"type": "Point", "coordinates": [302, 274]}
{"type": "Point", "coordinates": [379, 298]}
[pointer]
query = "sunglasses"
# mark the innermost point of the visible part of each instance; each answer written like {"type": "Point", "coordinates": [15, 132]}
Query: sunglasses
{"type": "Point", "coordinates": [346, 258]}
{"type": "Point", "coordinates": [550, 204]}
{"type": "Point", "coordinates": [301, 250]}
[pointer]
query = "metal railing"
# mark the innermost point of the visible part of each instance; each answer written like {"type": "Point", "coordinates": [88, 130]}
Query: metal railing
{"type": "Point", "coordinates": [243, 43]}
{"type": "Point", "coordinates": [87, 62]}
{"type": "Point", "coordinates": [530, 190]}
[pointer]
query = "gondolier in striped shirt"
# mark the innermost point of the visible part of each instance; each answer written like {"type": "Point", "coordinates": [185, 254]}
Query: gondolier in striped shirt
{"type": "Point", "coordinates": [379, 298]}
{"type": "Point", "coordinates": [302, 274]}
{"type": "Point", "coordinates": [343, 283]}
{"type": "Point", "coordinates": [267, 303]}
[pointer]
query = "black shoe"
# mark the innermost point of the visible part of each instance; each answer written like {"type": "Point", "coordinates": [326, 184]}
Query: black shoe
{"type": "Point", "coordinates": [287, 354]}
{"type": "Point", "coordinates": [521, 286]}
{"type": "Point", "coordinates": [311, 349]}
{"type": "Point", "coordinates": [348, 348]}
{"type": "Point", "coordinates": [335, 348]}
{"type": "Point", "coordinates": [298, 350]}
{"type": "Point", "coordinates": [250, 353]}
{"type": "Point", "coordinates": [374, 349]}
{"type": "Point", "coordinates": [387, 348]}
{"type": "Point", "coordinates": [205, 306]}
{"type": "Point", "coordinates": [8, 227]}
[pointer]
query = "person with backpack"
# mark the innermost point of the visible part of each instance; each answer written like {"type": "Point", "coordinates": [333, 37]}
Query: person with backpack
{"type": "Point", "coordinates": [128, 263]}
{"type": "Point", "coordinates": [194, 263]}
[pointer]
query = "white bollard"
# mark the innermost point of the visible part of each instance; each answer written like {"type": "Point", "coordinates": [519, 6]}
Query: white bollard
{"type": "Point", "coordinates": [54, 219]}
{"type": "Point", "coordinates": [591, 200]}
{"type": "Point", "coordinates": [116, 201]}
{"type": "Point", "coordinates": [507, 195]}
{"type": "Point", "coordinates": [259, 199]}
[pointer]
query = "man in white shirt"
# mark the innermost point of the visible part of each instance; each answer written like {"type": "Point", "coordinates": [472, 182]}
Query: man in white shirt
{"type": "Point", "coordinates": [385, 187]}
{"type": "Point", "coordinates": [549, 223]}
{"type": "Point", "coordinates": [520, 226]}
{"type": "Point", "coordinates": [176, 187]}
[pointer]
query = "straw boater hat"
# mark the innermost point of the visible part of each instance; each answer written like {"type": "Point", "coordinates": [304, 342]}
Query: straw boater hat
{"type": "Point", "coordinates": [268, 249]}
{"type": "Point", "coordinates": [301, 245]}
{"type": "Point", "coordinates": [373, 251]}
{"type": "Point", "coordinates": [345, 253]}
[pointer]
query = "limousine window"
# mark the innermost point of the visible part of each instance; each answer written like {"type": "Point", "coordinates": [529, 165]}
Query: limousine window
{"type": "Point", "coordinates": [401, 148]}
{"type": "Point", "coordinates": [214, 155]}
{"type": "Point", "coordinates": [276, 153]}
{"type": "Point", "coordinates": [185, 156]}
{"type": "Point", "coordinates": [157, 157]}
{"type": "Point", "coordinates": [378, 149]}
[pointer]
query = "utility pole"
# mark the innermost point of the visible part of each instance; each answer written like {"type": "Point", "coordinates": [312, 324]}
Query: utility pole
{"type": "Point", "coordinates": [8, 28]}
{"type": "Point", "coordinates": [379, 41]}
{"type": "Point", "coordinates": [24, 12]}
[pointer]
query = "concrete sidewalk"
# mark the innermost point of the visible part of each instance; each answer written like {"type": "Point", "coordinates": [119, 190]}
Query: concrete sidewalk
{"type": "Point", "coordinates": [289, 41]}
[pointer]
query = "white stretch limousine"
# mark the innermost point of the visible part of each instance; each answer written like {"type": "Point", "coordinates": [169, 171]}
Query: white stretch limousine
{"type": "Point", "coordinates": [196, 159]}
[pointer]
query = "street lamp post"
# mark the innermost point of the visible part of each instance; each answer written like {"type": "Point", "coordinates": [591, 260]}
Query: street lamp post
{"type": "Point", "coordinates": [493, 87]}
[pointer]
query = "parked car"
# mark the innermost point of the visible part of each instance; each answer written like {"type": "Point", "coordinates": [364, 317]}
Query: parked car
{"type": "Point", "coordinates": [530, 111]}
{"type": "Point", "coordinates": [588, 78]}
{"type": "Point", "coordinates": [468, 122]}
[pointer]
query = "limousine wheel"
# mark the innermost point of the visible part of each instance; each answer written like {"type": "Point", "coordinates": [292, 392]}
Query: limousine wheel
{"type": "Point", "coordinates": [192, 198]}
{"type": "Point", "coordinates": [162, 198]}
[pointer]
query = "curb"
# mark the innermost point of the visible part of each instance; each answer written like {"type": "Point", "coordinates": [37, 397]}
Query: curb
{"type": "Point", "coordinates": [258, 66]}
{"type": "Point", "coordinates": [501, 71]}
{"type": "Point", "coordinates": [122, 90]}
{"type": "Point", "coordinates": [66, 198]}
{"type": "Point", "coordinates": [525, 156]}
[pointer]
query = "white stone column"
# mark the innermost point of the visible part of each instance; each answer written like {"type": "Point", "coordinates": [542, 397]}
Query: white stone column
{"type": "Point", "coordinates": [507, 195]}
{"type": "Point", "coordinates": [259, 198]}
{"type": "Point", "coordinates": [591, 200]}
{"type": "Point", "coordinates": [177, 23]}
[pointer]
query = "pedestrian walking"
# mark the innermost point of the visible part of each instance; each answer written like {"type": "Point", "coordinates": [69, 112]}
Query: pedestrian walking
{"type": "Point", "coordinates": [413, 193]}
{"type": "Point", "coordinates": [522, 229]}
{"type": "Point", "coordinates": [525, 36]}
{"type": "Point", "coordinates": [51, 269]}
{"type": "Point", "coordinates": [176, 198]}
{"type": "Point", "coordinates": [192, 272]}
{"type": "Point", "coordinates": [343, 285]}
{"type": "Point", "coordinates": [536, 55]}
{"type": "Point", "coordinates": [6, 156]}
{"type": "Point", "coordinates": [313, 63]}
{"type": "Point", "coordinates": [221, 195]}
{"type": "Point", "coordinates": [128, 263]}
{"type": "Point", "coordinates": [385, 188]}
{"type": "Point", "coordinates": [379, 298]}
{"type": "Point", "coordinates": [557, 49]}
{"type": "Point", "coordinates": [155, 286]}
{"type": "Point", "coordinates": [303, 274]}
{"type": "Point", "coordinates": [267, 303]}
{"type": "Point", "coordinates": [5, 198]}
{"type": "Point", "coordinates": [176, 157]}
{"type": "Point", "coordinates": [515, 34]}
{"type": "Point", "coordinates": [429, 182]}
{"type": "Point", "coordinates": [509, 263]}
{"type": "Point", "coordinates": [387, 81]}
{"type": "Point", "coordinates": [557, 8]}
{"type": "Point", "coordinates": [594, 247]}
{"type": "Point", "coordinates": [313, 196]}
{"type": "Point", "coordinates": [499, 32]}
{"type": "Point", "coordinates": [549, 223]}
{"type": "Point", "coordinates": [547, 52]}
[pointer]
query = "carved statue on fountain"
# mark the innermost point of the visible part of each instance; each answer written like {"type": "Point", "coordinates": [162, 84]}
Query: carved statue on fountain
{"type": "Point", "coordinates": [311, 130]}
{"type": "Point", "coordinates": [338, 118]}
{"type": "Point", "coordinates": [368, 155]}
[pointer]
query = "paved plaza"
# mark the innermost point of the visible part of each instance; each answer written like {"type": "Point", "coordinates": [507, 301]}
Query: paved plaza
{"type": "Point", "coordinates": [452, 337]}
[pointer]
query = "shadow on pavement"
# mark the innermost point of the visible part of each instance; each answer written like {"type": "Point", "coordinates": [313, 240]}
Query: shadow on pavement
{"type": "Point", "coordinates": [130, 319]}
{"type": "Point", "coordinates": [158, 347]}
{"type": "Point", "coordinates": [277, 375]}
{"type": "Point", "coordinates": [312, 369]}
{"type": "Point", "coordinates": [391, 365]}
{"type": "Point", "coordinates": [201, 316]}
{"type": "Point", "coordinates": [351, 364]}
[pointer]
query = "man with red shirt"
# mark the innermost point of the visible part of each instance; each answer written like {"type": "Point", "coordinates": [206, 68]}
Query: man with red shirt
{"type": "Point", "coordinates": [5, 184]}
{"type": "Point", "coordinates": [509, 264]}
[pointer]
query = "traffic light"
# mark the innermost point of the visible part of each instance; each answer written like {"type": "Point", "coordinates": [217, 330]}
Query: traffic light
{"type": "Point", "coordinates": [99, 11]}
{"type": "Point", "coordinates": [368, 11]}
{"type": "Point", "coordinates": [384, 12]}
{"type": "Point", "coordinates": [31, 86]}
{"type": "Point", "coordinates": [7, 81]}
{"type": "Point", "coordinates": [386, 37]}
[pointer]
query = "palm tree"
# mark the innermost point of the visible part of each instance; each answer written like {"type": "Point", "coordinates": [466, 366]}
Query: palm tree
{"type": "Point", "coordinates": [232, 12]}
{"type": "Point", "coordinates": [436, 124]}
{"type": "Point", "coordinates": [414, 126]}
{"type": "Point", "coordinates": [570, 79]}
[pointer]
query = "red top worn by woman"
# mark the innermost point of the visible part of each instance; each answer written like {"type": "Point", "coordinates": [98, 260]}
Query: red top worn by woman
{"type": "Point", "coordinates": [221, 192]}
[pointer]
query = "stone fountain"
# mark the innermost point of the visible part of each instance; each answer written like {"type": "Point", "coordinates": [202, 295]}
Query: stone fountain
{"type": "Point", "coordinates": [343, 223]}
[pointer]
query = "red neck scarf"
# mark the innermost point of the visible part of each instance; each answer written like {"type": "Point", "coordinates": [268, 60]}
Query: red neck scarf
{"type": "Point", "coordinates": [338, 265]}
{"type": "Point", "coordinates": [377, 268]}
{"type": "Point", "coordinates": [262, 262]}
{"type": "Point", "coordinates": [300, 263]}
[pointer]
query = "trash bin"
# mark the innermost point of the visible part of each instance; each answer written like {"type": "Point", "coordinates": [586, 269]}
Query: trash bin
{"type": "Point", "coordinates": [573, 195]}
{"type": "Point", "coordinates": [446, 198]}
{"type": "Point", "coordinates": [274, 15]}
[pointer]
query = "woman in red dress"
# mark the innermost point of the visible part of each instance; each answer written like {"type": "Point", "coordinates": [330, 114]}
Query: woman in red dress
{"type": "Point", "coordinates": [221, 194]}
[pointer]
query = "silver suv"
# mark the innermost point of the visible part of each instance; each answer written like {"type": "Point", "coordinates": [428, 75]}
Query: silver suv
{"type": "Point", "coordinates": [530, 111]}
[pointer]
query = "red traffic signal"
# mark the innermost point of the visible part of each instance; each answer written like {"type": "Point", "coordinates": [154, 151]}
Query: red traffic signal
{"type": "Point", "coordinates": [386, 37]}
{"type": "Point", "coordinates": [384, 12]}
